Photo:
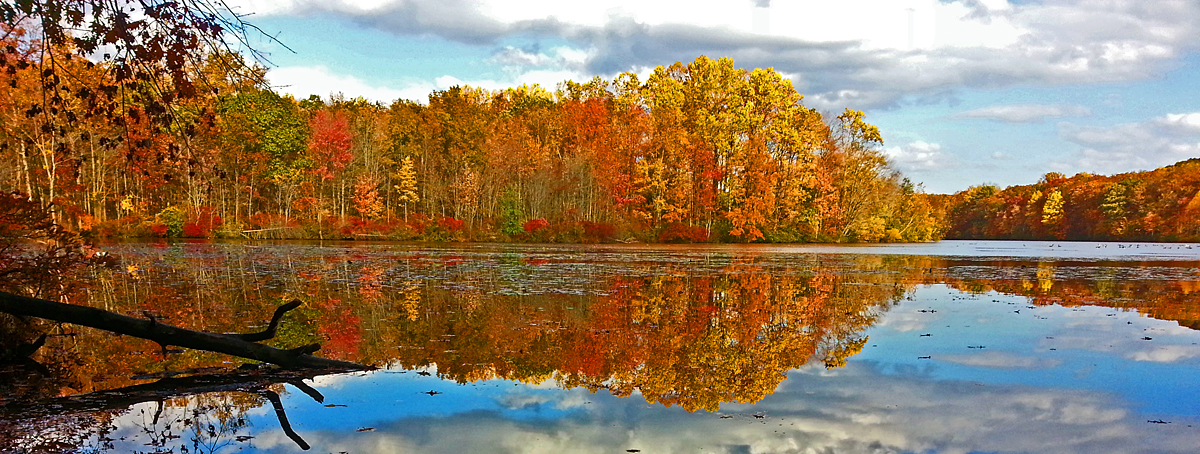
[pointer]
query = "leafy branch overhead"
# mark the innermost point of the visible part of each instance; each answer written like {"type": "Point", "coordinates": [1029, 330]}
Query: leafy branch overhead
{"type": "Point", "coordinates": [121, 59]}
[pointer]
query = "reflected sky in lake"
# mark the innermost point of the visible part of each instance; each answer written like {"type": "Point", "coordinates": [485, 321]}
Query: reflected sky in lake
{"type": "Point", "coordinates": [525, 349]}
{"type": "Point", "coordinates": [1067, 381]}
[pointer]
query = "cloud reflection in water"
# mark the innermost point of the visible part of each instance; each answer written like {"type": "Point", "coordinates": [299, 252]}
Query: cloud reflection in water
{"type": "Point", "coordinates": [858, 408]}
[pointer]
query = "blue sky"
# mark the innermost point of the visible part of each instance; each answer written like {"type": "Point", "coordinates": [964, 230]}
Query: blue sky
{"type": "Point", "coordinates": [965, 91]}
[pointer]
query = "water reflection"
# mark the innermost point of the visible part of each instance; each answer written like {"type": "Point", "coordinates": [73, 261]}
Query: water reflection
{"type": "Point", "coordinates": [677, 340]}
{"type": "Point", "coordinates": [717, 330]}
{"type": "Point", "coordinates": [860, 408]}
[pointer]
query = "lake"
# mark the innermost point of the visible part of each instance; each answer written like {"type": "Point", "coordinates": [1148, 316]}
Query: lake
{"type": "Point", "coordinates": [949, 347]}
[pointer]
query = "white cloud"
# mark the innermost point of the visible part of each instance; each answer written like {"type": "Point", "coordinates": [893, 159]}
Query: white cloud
{"type": "Point", "coordinates": [546, 69]}
{"type": "Point", "coordinates": [1124, 147]}
{"type": "Point", "coordinates": [919, 155]}
{"type": "Point", "coordinates": [906, 321]}
{"type": "Point", "coordinates": [854, 53]}
{"type": "Point", "coordinates": [1000, 360]}
{"type": "Point", "coordinates": [529, 397]}
{"type": "Point", "coordinates": [1185, 123]}
{"type": "Point", "coordinates": [515, 401]}
{"type": "Point", "coordinates": [548, 79]}
{"type": "Point", "coordinates": [511, 56]}
{"type": "Point", "coordinates": [1026, 113]}
{"type": "Point", "coordinates": [517, 61]}
{"type": "Point", "coordinates": [1166, 354]}
{"type": "Point", "coordinates": [302, 81]}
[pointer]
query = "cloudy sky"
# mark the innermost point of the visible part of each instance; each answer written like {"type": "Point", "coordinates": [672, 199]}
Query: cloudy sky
{"type": "Point", "coordinates": [965, 91]}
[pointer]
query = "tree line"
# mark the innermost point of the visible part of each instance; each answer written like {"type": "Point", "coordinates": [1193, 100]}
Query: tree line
{"type": "Point", "coordinates": [697, 152]}
{"type": "Point", "coordinates": [1157, 205]}
{"type": "Point", "coordinates": [140, 120]}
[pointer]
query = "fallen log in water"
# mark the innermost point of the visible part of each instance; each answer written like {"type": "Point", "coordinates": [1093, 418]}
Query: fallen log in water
{"type": "Point", "coordinates": [240, 345]}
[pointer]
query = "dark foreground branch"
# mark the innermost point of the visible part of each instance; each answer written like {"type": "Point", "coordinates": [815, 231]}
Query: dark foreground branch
{"type": "Point", "coordinates": [270, 331]}
{"type": "Point", "coordinates": [168, 388]}
{"type": "Point", "coordinates": [255, 382]}
{"type": "Point", "coordinates": [229, 344]}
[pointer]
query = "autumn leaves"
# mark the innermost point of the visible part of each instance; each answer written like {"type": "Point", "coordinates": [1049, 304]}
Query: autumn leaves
{"type": "Point", "coordinates": [699, 146]}
{"type": "Point", "coordinates": [1158, 205]}
{"type": "Point", "coordinates": [698, 152]}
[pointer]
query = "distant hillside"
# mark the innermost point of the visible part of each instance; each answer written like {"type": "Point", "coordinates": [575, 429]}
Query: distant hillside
{"type": "Point", "coordinates": [1158, 205]}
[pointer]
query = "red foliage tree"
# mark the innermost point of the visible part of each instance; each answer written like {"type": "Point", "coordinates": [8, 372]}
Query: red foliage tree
{"type": "Point", "coordinates": [451, 224]}
{"type": "Point", "coordinates": [598, 231]}
{"type": "Point", "coordinates": [202, 223]}
{"type": "Point", "coordinates": [330, 143]}
{"type": "Point", "coordinates": [534, 225]}
{"type": "Point", "coordinates": [681, 233]}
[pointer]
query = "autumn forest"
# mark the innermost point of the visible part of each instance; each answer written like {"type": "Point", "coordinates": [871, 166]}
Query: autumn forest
{"type": "Point", "coordinates": [696, 152]}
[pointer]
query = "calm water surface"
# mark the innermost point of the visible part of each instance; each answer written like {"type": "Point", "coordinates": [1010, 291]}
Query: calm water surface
{"type": "Point", "coordinates": [951, 347]}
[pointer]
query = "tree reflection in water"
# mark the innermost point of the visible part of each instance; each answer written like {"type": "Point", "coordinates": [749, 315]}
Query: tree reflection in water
{"type": "Point", "coordinates": [690, 341]}
{"type": "Point", "coordinates": [693, 330]}
{"type": "Point", "coordinates": [203, 413]}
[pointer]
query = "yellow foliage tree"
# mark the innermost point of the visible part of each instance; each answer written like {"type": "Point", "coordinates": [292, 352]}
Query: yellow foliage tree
{"type": "Point", "coordinates": [1052, 211]}
{"type": "Point", "coordinates": [406, 185]}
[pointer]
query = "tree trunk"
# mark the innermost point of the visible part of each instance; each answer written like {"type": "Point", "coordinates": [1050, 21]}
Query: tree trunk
{"type": "Point", "coordinates": [28, 176]}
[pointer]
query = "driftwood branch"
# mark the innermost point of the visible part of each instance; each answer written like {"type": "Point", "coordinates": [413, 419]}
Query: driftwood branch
{"type": "Point", "coordinates": [164, 334]}
{"type": "Point", "coordinates": [270, 331]}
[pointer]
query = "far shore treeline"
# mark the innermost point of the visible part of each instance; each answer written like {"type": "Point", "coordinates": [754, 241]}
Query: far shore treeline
{"type": "Point", "coordinates": [697, 152]}
{"type": "Point", "coordinates": [1158, 205]}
